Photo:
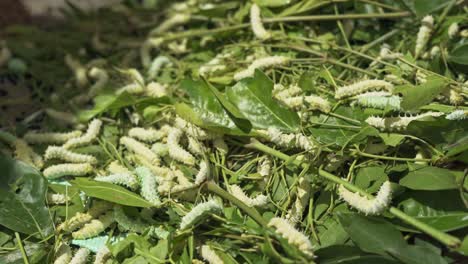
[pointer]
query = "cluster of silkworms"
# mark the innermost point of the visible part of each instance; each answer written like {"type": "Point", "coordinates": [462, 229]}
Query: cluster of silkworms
{"type": "Point", "coordinates": [293, 98]}
{"type": "Point", "coordinates": [290, 140]}
{"type": "Point", "coordinates": [397, 123]}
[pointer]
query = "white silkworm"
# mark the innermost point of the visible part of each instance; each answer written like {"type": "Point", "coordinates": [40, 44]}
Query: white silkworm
{"type": "Point", "coordinates": [264, 166]}
{"type": "Point", "coordinates": [175, 20]}
{"type": "Point", "coordinates": [145, 50]}
{"type": "Point", "coordinates": [361, 87]}
{"type": "Point", "coordinates": [54, 152]}
{"type": "Point", "coordinates": [125, 179]}
{"type": "Point", "coordinates": [214, 65]}
{"type": "Point", "coordinates": [397, 123]}
{"type": "Point", "coordinates": [133, 88]}
{"type": "Point", "coordinates": [67, 169]}
{"type": "Point", "coordinates": [259, 200]}
{"type": "Point", "coordinates": [26, 154]}
{"type": "Point", "coordinates": [195, 146]}
{"type": "Point", "coordinates": [175, 150]}
{"type": "Point", "coordinates": [101, 78]}
{"type": "Point", "coordinates": [455, 97]}
{"type": "Point", "coordinates": [368, 206]}
{"type": "Point", "coordinates": [458, 115]}
{"type": "Point", "coordinates": [193, 130]}
{"type": "Point", "coordinates": [289, 140]}
{"type": "Point", "coordinates": [90, 135]}
{"type": "Point", "coordinates": [261, 64]}
{"type": "Point", "coordinates": [115, 167]}
{"type": "Point", "coordinates": [160, 149]}
{"type": "Point", "coordinates": [435, 51]}
{"type": "Point", "coordinates": [50, 138]}
{"type": "Point", "coordinates": [295, 102]}
{"type": "Point", "coordinates": [78, 70]}
{"type": "Point", "coordinates": [63, 254]}
{"type": "Point", "coordinates": [453, 30]}
{"type": "Point", "coordinates": [102, 255]}
{"type": "Point", "coordinates": [139, 149]}
{"type": "Point", "coordinates": [81, 256]}
{"type": "Point", "coordinates": [302, 199]}
{"type": "Point", "coordinates": [423, 35]}
{"type": "Point", "coordinates": [146, 134]}
{"type": "Point", "coordinates": [294, 237]}
{"type": "Point", "coordinates": [379, 100]}
{"type": "Point", "coordinates": [56, 198]}
{"type": "Point", "coordinates": [199, 212]}
{"type": "Point", "coordinates": [318, 103]}
{"type": "Point", "coordinates": [210, 255]}
{"type": "Point", "coordinates": [138, 85]}
{"type": "Point", "coordinates": [126, 223]}
{"type": "Point", "coordinates": [148, 185]}
{"type": "Point", "coordinates": [256, 23]}
{"type": "Point", "coordinates": [95, 226]}
{"type": "Point", "coordinates": [156, 66]}
{"type": "Point", "coordinates": [79, 219]}
{"type": "Point", "coordinates": [65, 117]}
{"type": "Point", "coordinates": [203, 172]}
{"type": "Point", "coordinates": [156, 90]}
{"type": "Point", "coordinates": [281, 93]}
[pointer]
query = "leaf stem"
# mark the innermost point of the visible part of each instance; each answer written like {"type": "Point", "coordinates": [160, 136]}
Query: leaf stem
{"type": "Point", "coordinates": [368, 155]}
{"type": "Point", "coordinates": [23, 252]}
{"type": "Point", "coordinates": [211, 186]}
{"type": "Point", "coordinates": [446, 239]}
{"type": "Point", "coordinates": [337, 17]}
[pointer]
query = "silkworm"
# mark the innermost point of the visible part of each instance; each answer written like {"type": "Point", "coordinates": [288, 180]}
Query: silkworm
{"type": "Point", "coordinates": [139, 149]}
{"type": "Point", "coordinates": [81, 256]}
{"type": "Point", "coordinates": [160, 149]}
{"type": "Point", "coordinates": [125, 179]}
{"type": "Point", "coordinates": [294, 237]}
{"type": "Point", "coordinates": [56, 198]}
{"type": "Point", "coordinates": [302, 199]}
{"type": "Point", "coordinates": [199, 212]}
{"type": "Point", "coordinates": [289, 140]}
{"type": "Point", "coordinates": [101, 78]}
{"type": "Point", "coordinates": [318, 103]}
{"type": "Point", "coordinates": [210, 255]}
{"type": "Point", "coordinates": [79, 219]}
{"type": "Point", "coordinates": [148, 185]}
{"type": "Point", "coordinates": [95, 226]}
{"type": "Point", "coordinates": [126, 223]}
{"type": "Point", "coordinates": [175, 150]}
{"type": "Point", "coordinates": [63, 254]}
{"type": "Point", "coordinates": [457, 115]}
{"type": "Point", "coordinates": [203, 172]}
{"type": "Point", "coordinates": [361, 87]}
{"type": "Point", "coordinates": [50, 138]}
{"type": "Point", "coordinates": [379, 100]}
{"type": "Point", "coordinates": [67, 169]}
{"type": "Point", "coordinates": [156, 90]}
{"type": "Point", "coordinates": [146, 134]}
{"type": "Point", "coordinates": [259, 200]}
{"type": "Point", "coordinates": [54, 152]}
{"type": "Point", "coordinates": [156, 66]}
{"type": "Point", "coordinates": [423, 35]}
{"type": "Point", "coordinates": [193, 130]}
{"type": "Point", "coordinates": [91, 134]}
{"type": "Point", "coordinates": [256, 23]}
{"type": "Point", "coordinates": [102, 255]}
{"type": "Point", "coordinates": [368, 206]}
{"type": "Point", "coordinates": [78, 70]}
{"type": "Point", "coordinates": [173, 21]}
{"type": "Point", "coordinates": [397, 123]}
{"type": "Point", "coordinates": [261, 64]}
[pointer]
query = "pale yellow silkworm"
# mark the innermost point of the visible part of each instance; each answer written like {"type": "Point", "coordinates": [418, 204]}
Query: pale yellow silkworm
{"type": "Point", "coordinates": [63, 254]}
{"type": "Point", "coordinates": [210, 255]}
{"type": "Point", "coordinates": [95, 226]}
{"type": "Point", "coordinates": [67, 169]}
{"type": "Point", "coordinates": [140, 149]}
{"type": "Point", "coordinates": [54, 152]}
{"type": "Point", "coordinates": [50, 138]}
{"type": "Point", "coordinates": [294, 237]}
{"type": "Point", "coordinates": [90, 135]}
{"type": "Point", "coordinates": [256, 23]}
{"type": "Point", "coordinates": [146, 134]}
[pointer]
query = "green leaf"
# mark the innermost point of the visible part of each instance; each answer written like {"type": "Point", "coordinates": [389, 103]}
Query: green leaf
{"type": "Point", "coordinates": [414, 97]}
{"type": "Point", "coordinates": [107, 102]}
{"type": "Point", "coordinates": [429, 178]}
{"type": "Point", "coordinates": [391, 139]}
{"type": "Point", "coordinates": [206, 110]}
{"type": "Point", "coordinates": [110, 192]}
{"type": "Point", "coordinates": [459, 55]}
{"type": "Point", "coordinates": [463, 249]}
{"type": "Point", "coordinates": [272, 3]}
{"type": "Point", "coordinates": [443, 210]}
{"type": "Point", "coordinates": [375, 235]}
{"type": "Point", "coordinates": [252, 96]}
{"type": "Point", "coordinates": [458, 147]}
{"type": "Point", "coordinates": [22, 198]}
{"type": "Point", "coordinates": [338, 254]}
{"type": "Point", "coordinates": [370, 178]}
{"type": "Point", "coordinates": [424, 7]}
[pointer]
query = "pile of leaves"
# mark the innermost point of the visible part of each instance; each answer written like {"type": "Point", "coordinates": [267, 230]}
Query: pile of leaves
{"type": "Point", "coordinates": [252, 169]}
